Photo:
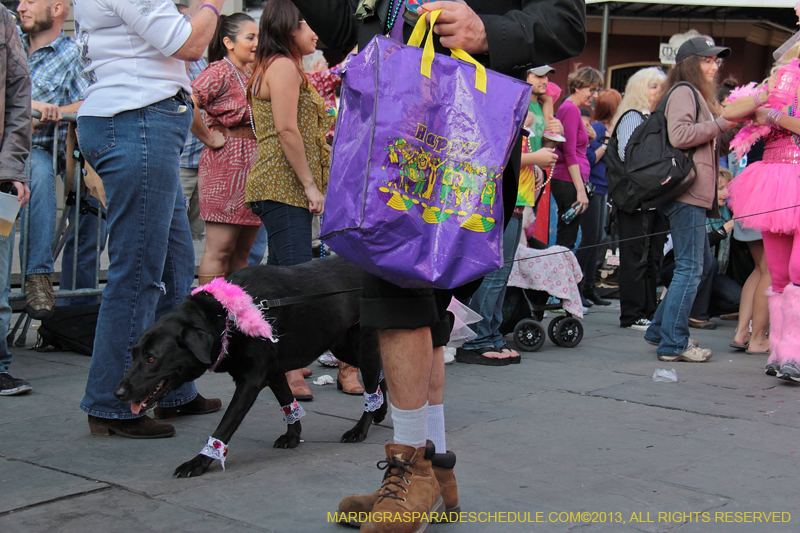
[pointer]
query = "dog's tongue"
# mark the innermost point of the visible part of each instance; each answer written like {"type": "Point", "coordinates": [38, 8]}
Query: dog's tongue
{"type": "Point", "coordinates": [136, 407]}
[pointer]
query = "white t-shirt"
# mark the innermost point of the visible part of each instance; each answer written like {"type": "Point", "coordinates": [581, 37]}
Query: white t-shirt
{"type": "Point", "coordinates": [126, 47]}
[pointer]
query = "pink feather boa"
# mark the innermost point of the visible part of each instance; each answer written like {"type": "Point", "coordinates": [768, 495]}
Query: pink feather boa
{"type": "Point", "coordinates": [243, 313]}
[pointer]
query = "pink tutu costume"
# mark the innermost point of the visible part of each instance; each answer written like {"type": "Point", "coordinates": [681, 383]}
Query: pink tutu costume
{"type": "Point", "coordinates": [764, 188]}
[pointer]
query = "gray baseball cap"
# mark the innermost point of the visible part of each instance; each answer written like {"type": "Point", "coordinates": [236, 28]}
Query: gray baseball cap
{"type": "Point", "coordinates": [544, 70]}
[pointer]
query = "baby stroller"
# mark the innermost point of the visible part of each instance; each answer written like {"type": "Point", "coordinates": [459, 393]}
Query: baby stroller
{"type": "Point", "coordinates": [538, 273]}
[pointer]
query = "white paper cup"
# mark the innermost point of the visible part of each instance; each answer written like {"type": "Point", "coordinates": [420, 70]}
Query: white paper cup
{"type": "Point", "coordinates": [9, 208]}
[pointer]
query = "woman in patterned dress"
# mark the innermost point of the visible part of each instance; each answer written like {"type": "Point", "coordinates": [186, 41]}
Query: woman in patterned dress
{"type": "Point", "coordinates": [230, 147]}
{"type": "Point", "coordinates": [287, 182]}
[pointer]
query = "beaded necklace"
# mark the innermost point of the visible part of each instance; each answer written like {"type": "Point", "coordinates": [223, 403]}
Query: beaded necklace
{"type": "Point", "coordinates": [244, 88]}
{"type": "Point", "coordinates": [394, 10]}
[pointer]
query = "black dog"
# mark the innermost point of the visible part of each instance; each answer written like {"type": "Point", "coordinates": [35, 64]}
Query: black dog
{"type": "Point", "coordinates": [309, 320]}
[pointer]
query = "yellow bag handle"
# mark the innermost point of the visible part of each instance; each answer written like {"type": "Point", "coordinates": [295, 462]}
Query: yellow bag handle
{"type": "Point", "coordinates": [427, 53]}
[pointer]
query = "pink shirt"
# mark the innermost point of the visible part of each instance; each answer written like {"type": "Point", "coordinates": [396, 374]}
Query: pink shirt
{"type": "Point", "coordinates": [573, 151]}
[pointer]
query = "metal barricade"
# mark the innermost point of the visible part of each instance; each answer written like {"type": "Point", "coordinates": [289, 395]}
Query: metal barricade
{"type": "Point", "coordinates": [68, 225]}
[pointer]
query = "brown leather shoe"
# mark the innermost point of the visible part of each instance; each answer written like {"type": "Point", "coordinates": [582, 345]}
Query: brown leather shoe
{"type": "Point", "coordinates": [298, 385]}
{"type": "Point", "coordinates": [409, 486]}
{"type": "Point", "coordinates": [347, 379]}
{"type": "Point", "coordinates": [198, 406]}
{"type": "Point", "coordinates": [306, 372]}
{"type": "Point", "coordinates": [132, 428]}
{"type": "Point", "coordinates": [442, 464]}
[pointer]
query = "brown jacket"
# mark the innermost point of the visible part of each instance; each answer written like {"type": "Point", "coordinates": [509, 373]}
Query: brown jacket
{"type": "Point", "coordinates": [15, 102]}
{"type": "Point", "coordinates": [685, 132]}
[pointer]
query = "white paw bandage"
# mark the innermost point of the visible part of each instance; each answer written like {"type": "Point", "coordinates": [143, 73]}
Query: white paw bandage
{"type": "Point", "coordinates": [373, 402]}
{"type": "Point", "coordinates": [292, 412]}
{"type": "Point", "coordinates": [216, 449]}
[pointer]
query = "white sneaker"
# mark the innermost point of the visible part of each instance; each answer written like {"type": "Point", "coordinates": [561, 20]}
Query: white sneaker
{"type": "Point", "coordinates": [692, 354]}
{"type": "Point", "coordinates": [328, 359]}
{"type": "Point", "coordinates": [640, 325]}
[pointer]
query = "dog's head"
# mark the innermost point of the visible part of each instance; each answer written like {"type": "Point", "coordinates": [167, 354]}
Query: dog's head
{"type": "Point", "coordinates": [174, 350]}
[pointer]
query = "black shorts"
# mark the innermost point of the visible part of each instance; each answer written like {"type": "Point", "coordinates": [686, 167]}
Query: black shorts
{"type": "Point", "coordinates": [387, 306]}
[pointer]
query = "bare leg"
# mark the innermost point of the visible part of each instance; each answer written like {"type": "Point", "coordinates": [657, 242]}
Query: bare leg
{"type": "Point", "coordinates": [758, 339]}
{"type": "Point", "coordinates": [407, 356]}
{"type": "Point", "coordinates": [742, 334]}
{"type": "Point", "coordinates": [220, 244]}
{"type": "Point", "coordinates": [244, 241]}
{"type": "Point", "coordinates": [436, 387]}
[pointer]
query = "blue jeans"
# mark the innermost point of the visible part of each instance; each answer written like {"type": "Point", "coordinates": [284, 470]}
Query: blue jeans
{"type": "Point", "coordinates": [6, 255]}
{"type": "Point", "coordinates": [87, 256]}
{"type": "Point", "coordinates": [289, 231]}
{"type": "Point", "coordinates": [670, 327]}
{"type": "Point", "coordinates": [488, 299]}
{"type": "Point", "coordinates": [42, 207]}
{"type": "Point", "coordinates": [150, 245]}
{"type": "Point", "coordinates": [259, 248]}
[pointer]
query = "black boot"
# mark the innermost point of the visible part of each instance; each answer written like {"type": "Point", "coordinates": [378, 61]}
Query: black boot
{"type": "Point", "coordinates": [591, 295]}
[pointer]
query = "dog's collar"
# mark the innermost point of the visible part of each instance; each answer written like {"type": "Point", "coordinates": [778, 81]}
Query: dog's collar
{"type": "Point", "coordinates": [243, 313]}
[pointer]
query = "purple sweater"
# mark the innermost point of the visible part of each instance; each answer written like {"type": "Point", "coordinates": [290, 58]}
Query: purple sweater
{"type": "Point", "coordinates": [573, 151]}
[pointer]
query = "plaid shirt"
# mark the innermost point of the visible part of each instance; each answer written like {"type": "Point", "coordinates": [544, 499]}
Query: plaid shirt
{"type": "Point", "coordinates": [56, 78]}
{"type": "Point", "coordinates": [190, 157]}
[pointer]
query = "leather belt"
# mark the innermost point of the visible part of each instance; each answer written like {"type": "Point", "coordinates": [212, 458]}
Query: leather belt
{"type": "Point", "coordinates": [239, 132]}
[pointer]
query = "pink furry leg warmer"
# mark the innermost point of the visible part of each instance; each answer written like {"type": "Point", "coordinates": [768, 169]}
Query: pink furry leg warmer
{"type": "Point", "coordinates": [789, 345]}
{"type": "Point", "coordinates": [774, 362]}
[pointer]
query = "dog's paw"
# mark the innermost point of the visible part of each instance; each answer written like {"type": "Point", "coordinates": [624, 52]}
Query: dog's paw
{"type": "Point", "coordinates": [354, 435]}
{"type": "Point", "coordinates": [287, 441]}
{"type": "Point", "coordinates": [195, 467]}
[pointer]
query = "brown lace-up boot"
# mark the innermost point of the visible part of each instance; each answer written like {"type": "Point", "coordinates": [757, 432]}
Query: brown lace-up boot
{"type": "Point", "coordinates": [40, 300]}
{"type": "Point", "coordinates": [357, 505]}
{"type": "Point", "coordinates": [409, 486]}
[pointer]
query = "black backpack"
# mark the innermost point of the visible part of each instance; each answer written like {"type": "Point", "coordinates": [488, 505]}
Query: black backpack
{"type": "Point", "coordinates": [620, 190]}
{"type": "Point", "coordinates": [656, 171]}
{"type": "Point", "coordinates": [71, 328]}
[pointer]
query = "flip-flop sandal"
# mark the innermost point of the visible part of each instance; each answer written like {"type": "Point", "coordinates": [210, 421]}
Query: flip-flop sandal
{"type": "Point", "coordinates": [481, 357]}
{"type": "Point", "coordinates": [748, 352]}
{"type": "Point", "coordinates": [739, 345]}
{"type": "Point", "coordinates": [513, 356]}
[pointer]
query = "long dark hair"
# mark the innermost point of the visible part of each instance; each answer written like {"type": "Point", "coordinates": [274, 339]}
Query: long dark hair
{"type": "Point", "coordinates": [227, 26]}
{"type": "Point", "coordinates": [279, 20]}
{"type": "Point", "coordinates": [689, 71]}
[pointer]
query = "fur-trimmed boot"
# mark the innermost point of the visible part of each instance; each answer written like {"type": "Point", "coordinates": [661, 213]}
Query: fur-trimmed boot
{"type": "Point", "coordinates": [775, 300]}
{"type": "Point", "coordinates": [789, 345]}
{"type": "Point", "coordinates": [202, 279]}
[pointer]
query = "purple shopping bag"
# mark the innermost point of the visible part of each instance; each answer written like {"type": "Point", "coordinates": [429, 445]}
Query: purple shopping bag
{"type": "Point", "coordinates": [414, 194]}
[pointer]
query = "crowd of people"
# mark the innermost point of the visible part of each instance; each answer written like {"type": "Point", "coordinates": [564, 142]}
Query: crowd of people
{"type": "Point", "coordinates": [253, 175]}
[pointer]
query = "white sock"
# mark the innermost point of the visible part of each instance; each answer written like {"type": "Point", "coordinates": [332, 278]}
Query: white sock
{"type": "Point", "coordinates": [410, 427]}
{"type": "Point", "coordinates": [436, 427]}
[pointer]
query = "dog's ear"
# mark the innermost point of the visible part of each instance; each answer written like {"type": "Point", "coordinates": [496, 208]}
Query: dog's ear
{"type": "Point", "coordinates": [199, 343]}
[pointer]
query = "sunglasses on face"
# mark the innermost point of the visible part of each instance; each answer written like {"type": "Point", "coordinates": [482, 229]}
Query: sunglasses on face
{"type": "Point", "coordinates": [708, 61]}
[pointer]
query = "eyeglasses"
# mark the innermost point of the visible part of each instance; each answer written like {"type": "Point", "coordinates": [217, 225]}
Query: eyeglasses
{"type": "Point", "coordinates": [592, 90]}
{"type": "Point", "coordinates": [708, 61]}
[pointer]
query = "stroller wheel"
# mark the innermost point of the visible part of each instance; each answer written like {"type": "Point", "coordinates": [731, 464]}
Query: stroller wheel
{"type": "Point", "coordinates": [529, 335]}
{"type": "Point", "coordinates": [552, 328]}
{"type": "Point", "coordinates": [569, 332]}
